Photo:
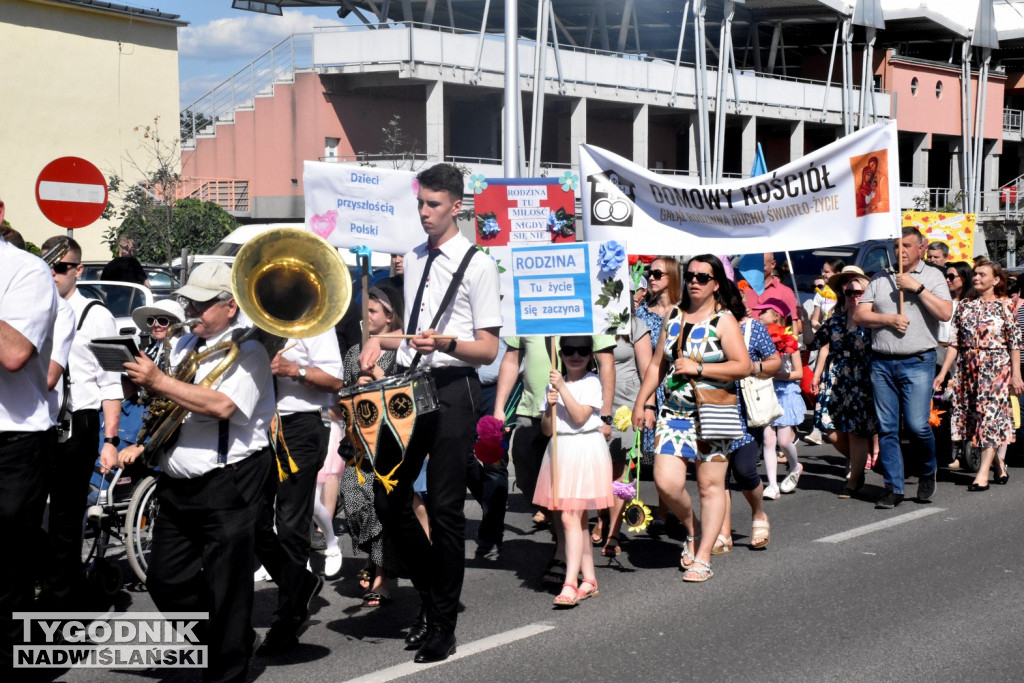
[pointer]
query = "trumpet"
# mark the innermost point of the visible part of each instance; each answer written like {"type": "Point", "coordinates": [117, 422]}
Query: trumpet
{"type": "Point", "coordinates": [291, 284]}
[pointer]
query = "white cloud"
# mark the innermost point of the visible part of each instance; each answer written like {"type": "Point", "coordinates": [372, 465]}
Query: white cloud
{"type": "Point", "coordinates": [245, 36]}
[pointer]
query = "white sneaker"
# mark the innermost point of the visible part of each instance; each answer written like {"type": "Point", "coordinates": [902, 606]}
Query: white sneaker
{"type": "Point", "coordinates": [789, 483]}
{"type": "Point", "coordinates": [771, 492]}
{"type": "Point", "coordinates": [814, 437]}
{"type": "Point", "coordinates": [332, 561]}
{"type": "Point", "coordinates": [261, 575]}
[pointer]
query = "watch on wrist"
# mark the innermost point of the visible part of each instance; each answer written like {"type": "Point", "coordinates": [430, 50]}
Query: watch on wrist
{"type": "Point", "coordinates": [114, 441]}
{"type": "Point", "coordinates": [700, 369]}
{"type": "Point", "coordinates": [607, 419]}
{"type": "Point", "coordinates": [451, 346]}
{"type": "Point", "coordinates": [302, 373]}
{"type": "Point", "coordinates": [919, 290]}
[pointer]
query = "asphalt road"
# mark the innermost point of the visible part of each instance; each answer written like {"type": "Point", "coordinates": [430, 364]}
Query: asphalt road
{"type": "Point", "coordinates": [844, 592]}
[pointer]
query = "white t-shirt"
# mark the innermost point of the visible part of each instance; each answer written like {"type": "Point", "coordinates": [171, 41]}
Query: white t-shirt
{"type": "Point", "coordinates": [249, 384]}
{"type": "Point", "coordinates": [320, 352]}
{"type": "Point", "coordinates": [28, 303]}
{"type": "Point", "coordinates": [475, 305]}
{"type": "Point", "coordinates": [90, 383]}
{"type": "Point", "coordinates": [587, 392]}
{"type": "Point", "coordinates": [63, 335]}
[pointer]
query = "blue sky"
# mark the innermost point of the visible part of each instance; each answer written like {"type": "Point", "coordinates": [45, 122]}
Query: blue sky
{"type": "Point", "coordinates": [219, 40]}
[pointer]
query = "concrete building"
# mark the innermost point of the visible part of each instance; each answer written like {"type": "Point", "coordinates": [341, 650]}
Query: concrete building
{"type": "Point", "coordinates": [624, 75]}
{"type": "Point", "coordinates": [79, 77]}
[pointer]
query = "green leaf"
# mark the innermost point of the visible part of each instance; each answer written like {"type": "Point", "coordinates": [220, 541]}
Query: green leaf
{"type": "Point", "coordinates": [602, 300]}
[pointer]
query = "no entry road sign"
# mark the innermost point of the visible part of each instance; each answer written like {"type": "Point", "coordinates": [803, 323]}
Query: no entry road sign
{"type": "Point", "coordinates": [71, 192]}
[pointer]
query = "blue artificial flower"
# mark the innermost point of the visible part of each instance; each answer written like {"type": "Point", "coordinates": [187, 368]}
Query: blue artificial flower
{"type": "Point", "coordinates": [477, 183]}
{"type": "Point", "coordinates": [491, 227]}
{"type": "Point", "coordinates": [570, 181]}
{"type": "Point", "coordinates": [611, 255]}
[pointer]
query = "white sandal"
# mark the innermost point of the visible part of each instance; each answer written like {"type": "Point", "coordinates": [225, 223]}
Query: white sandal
{"type": "Point", "coordinates": [703, 572]}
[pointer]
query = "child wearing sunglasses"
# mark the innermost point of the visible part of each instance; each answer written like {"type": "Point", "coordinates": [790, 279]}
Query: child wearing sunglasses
{"type": "Point", "coordinates": [584, 465]}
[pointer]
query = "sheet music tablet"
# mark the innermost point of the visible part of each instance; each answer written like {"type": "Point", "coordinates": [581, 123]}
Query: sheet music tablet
{"type": "Point", "coordinates": [113, 352]}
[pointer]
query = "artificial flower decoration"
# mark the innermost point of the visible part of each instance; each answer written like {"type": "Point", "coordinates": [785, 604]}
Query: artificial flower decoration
{"type": "Point", "coordinates": [477, 183]}
{"type": "Point", "coordinates": [570, 181]}
{"type": "Point", "coordinates": [487, 225]}
{"type": "Point", "coordinates": [637, 516]}
{"type": "Point", "coordinates": [610, 255]}
{"type": "Point", "coordinates": [561, 223]}
{"type": "Point", "coordinates": [624, 490]}
{"type": "Point", "coordinates": [935, 416]}
{"type": "Point", "coordinates": [743, 285]}
{"type": "Point", "coordinates": [489, 448]}
{"type": "Point", "coordinates": [826, 292]}
{"type": "Point", "coordinates": [623, 418]}
{"type": "Point", "coordinates": [784, 340]}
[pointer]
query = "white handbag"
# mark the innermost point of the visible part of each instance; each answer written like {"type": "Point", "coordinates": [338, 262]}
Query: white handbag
{"type": "Point", "coordinates": [759, 399]}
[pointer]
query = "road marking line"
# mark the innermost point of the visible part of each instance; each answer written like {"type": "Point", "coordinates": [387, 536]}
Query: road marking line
{"type": "Point", "coordinates": [878, 526]}
{"type": "Point", "coordinates": [466, 650]}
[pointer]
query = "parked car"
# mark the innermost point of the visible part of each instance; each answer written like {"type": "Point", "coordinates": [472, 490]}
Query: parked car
{"type": "Point", "coordinates": [871, 256]}
{"type": "Point", "coordinates": [162, 279]}
{"type": "Point", "coordinates": [120, 298]}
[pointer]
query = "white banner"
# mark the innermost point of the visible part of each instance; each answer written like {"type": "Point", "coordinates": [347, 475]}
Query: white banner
{"type": "Point", "coordinates": [845, 192]}
{"type": "Point", "coordinates": [354, 206]}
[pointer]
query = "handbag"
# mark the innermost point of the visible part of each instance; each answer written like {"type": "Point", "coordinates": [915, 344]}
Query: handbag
{"type": "Point", "coordinates": [718, 413]}
{"type": "Point", "coordinates": [759, 399]}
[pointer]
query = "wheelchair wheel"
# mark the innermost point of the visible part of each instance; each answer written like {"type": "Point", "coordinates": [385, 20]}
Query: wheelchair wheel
{"type": "Point", "coordinates": [970, 456]}
{"type": "Point", "coordinates": [139, 521]}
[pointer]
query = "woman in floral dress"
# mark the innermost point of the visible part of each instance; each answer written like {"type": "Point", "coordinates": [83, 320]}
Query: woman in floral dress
{"type": "Point", "coordinates": [845, 403]}
{"type": "Point", "coordinates": [985, 342]}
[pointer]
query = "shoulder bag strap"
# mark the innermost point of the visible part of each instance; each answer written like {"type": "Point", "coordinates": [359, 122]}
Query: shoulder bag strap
{"type": "Point", "coordinates": [457, 276]}
{"type": "Point", "coordinates": [85, 312]}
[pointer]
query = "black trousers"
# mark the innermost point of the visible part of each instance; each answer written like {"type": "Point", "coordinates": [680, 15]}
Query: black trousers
{"type": "Point", "coordinates": [488, 483]}
{"type": "Point", "coordinates": [24, 462]}
{"type": "Point", "coordinates": [436, 566]}
{"type": "Point", "coordinates": [201, 557]}
{"type": "Point", "coordinates": [527, 447]}
{"type": "Point", "coordinates": [285, 553]}
{"type": "Point", "coordinates": [72, 467]}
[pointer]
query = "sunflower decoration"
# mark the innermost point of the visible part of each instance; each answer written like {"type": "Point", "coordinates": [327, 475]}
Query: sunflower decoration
{"type": "Point", "coordinates": [623, 418]}
{"type": "Point", "coordinates": [637, 515]}
{"type": "Point", "coordinates": [935, 417]}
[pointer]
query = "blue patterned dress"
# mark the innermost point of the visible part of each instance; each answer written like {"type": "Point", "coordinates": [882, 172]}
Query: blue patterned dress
{"type": "Point", "coordinates": [653, 321]}
{"type": "Point", "coordinates": [845, 401]}
{"type": "Point", "coordinates": [676, 432]}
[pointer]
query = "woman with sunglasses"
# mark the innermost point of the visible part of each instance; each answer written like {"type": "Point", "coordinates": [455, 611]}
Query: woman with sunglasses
{"type": "Point", "coordinates": [663, 293]}
{"type": "Point", "coordinates": [845, 403]}
{"type": "Point", "coordinates": [701, 344]}
{"type": "Point", "coordinates": [959, 276]}
{"type": "Point", "coordinates": [158, 319]}
{"type": "Point", "coordinates": [985, 344]}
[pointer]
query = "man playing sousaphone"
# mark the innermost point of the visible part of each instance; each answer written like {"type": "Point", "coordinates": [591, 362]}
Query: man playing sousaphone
{"type": "Point", "coordinates": [211, 489]}
{"type": "Point", "coordinates": [473, 318]}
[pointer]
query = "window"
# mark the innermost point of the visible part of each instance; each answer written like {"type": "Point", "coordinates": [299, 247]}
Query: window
{"type": "Point", "coordinates": [938, 90]}
{"type": "Point", "coordinates": [913, 86]}
{"type": "Point", "coordinates": [876, 260]}
{"type": "Point", "coordinates": [331, 147]}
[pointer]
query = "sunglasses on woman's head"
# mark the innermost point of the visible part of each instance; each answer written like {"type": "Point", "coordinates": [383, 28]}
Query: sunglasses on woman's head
{"type": "Point", "coordinates": [62, 267]}
{"type": "Point", "coordinates": [581, 351]}
{"type": "Point", "coordinates": [159, 320]}
{"type": "Point", "coordinates": [701, 278]}
{"type": "Point", "coordinates": [657, 274]}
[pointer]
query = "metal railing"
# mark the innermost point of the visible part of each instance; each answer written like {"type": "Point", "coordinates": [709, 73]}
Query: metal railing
{"type": "Point", "coordinates": [231, 194]}
{"type": "Point", "coordinates": [276, 65]}
{"type": "Point", "coordinates": [1012, 120]}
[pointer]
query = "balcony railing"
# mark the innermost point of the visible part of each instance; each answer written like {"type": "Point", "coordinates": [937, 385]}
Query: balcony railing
{"type": "Point", "coordinates": [230, 194]}
{"type": "Point", "coordinates": [1012, 120]}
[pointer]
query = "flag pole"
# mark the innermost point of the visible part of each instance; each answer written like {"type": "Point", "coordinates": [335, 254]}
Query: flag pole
{"type": "Point", "coordinates": [554, 436]}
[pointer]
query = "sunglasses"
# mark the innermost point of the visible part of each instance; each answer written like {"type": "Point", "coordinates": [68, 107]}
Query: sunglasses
{"type": "Point", "coordinates": [582, 351]}
{"type": "Point", "coordinates": [657, 274]}
{"type": "Point", "coordinates": [853, 292]}
{"type": "Point", "coordinates": [161, 320]}
{"type": "Point", "coordinates": [701, 278]}
{"type": "Point", "coordinates": [199, 307]}
{"type": "Point", "coordinates": [952, 276]}
{"type": "Point", "coordinates": [62, 267]}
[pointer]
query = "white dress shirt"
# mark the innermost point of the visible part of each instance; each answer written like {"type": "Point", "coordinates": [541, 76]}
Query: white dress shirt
{"type": "Point", "coordinates": [323, 352]}
{"type": "Point", "coordinates": [475, 305]}
{"type": "Point", "coordinates": [90, 383]}
{"type": "Point", "coordinates": [249, 384]}
{"type": "Point", "coordinates": [28, 303]}
{"type": "Point", "coordinates": [63, 336]}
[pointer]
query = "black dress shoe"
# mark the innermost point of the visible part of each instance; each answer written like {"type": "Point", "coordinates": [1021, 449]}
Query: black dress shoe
{"type": "Point", "coordinates": [418, 632]}
{"type": "Point", "coordinates": [438, 646]}
{"type": "Point", "coordinates": [281, 638]}
{"type": "Point", "coordinates": [977, 487]}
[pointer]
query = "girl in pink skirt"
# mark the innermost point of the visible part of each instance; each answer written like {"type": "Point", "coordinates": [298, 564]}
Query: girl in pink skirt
{"type": "Point", "coordinates": [582, 461]}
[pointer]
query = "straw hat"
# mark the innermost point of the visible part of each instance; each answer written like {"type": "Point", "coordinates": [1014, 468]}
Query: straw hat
{"type": "Point", "coordinates": [839, 280]}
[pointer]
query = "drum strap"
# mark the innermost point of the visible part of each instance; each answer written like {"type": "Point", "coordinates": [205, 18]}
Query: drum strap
{"type": "Point", "coordinates": [449, 293]}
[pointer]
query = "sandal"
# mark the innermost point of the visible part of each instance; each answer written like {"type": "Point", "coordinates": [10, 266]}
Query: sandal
{"type": "Point", "coordinates": [365, 578]}
{"type": "Point", "coordinates": [698, 574]}
{"type": "Point", "coordinates": [611, 547]}
{"type": "Point", "coordinates": [567, 600]}
{"type": "Point", "coordinates": [583, 595]}
{"type": "Point", "coordinates": [722, 545]}
{"type": "Point", "coordinates": [597, 535]}
{"type": "Point", "coordinates": [555, 573]}
{"type": "Point", "coordinates": [688, 546]}
{"type": "Point", "coordinates": [375, 597]}
{"type": "Point", "coordinates": [761, 534]}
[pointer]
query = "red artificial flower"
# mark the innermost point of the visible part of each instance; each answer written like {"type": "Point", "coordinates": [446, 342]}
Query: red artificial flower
{"type": "Point", "coordinates": [489, 448]}
{"type": "Point", "coordinates": [743, 285]}
{"type": "Point", "coordinates": [784, 343]}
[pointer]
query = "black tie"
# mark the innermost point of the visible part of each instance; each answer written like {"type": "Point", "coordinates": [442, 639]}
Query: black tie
{"type": "Point", "coordinates": [414, 316]}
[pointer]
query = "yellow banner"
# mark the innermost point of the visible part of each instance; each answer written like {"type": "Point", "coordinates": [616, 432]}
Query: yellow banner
{"type": "Point", "coordinates": [956, 230]}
